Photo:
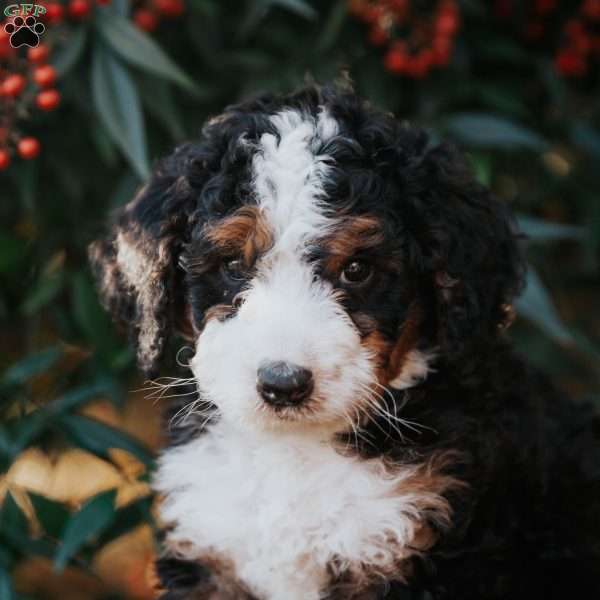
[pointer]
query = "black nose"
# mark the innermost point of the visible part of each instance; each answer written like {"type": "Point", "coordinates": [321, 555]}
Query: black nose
{"type": "Point", "coordinates": [284, 384]}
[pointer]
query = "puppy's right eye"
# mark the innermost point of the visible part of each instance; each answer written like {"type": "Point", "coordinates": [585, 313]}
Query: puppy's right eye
{"type": "Point", "coordinates": [235, 269]}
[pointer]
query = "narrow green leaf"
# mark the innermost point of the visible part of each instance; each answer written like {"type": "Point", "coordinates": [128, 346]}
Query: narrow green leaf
{"type": "Point", "coordinates": [12, 519]}
{"type": "Point", "coordinates": [100, 438]}
{"type": "Point", "coordinates": [538, 230]}
{"type": "Point", "coordinates": [31, 366]}
{"type": "Point", "coordinates": [118, 104]}
{"type": "Point", "coordinates": [259, 9]}
{"type": "Point", "coordinates": [127, 518]}
{"type": "Point", "coordinates": [93, 321]}
{"type": "Point", "coordinates": [158, 97]}
{"type": "Point", "coordinates": [536, 306]}
{"type": "Point", "coordinates": [12, 252]}
{"type": "Point", "coordinates": [6, 589]}
{"type": "Point", "coordinates": [93, 518]}
{"type": "Point", "coordinates": [299, 7]}
{"type": "Point", "coordinates": [45, 290]}
{"type": "Point", "coordinates": [140, 50]}
{"type": "Point", "coordinates": [52, 515]}
{"type": "Point", "coordinates": [66, 57]}
{"type": "Point", "coordinates": [586, 137]}
{"type": "Point", "coordinates": [333, 26]}
{"type": "Point", "coordinates": [78, 397]}
{"type": "Point", "coordinates": [490, 131]}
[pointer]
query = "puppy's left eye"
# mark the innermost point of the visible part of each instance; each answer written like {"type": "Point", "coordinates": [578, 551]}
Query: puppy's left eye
{"type": "Point", "coordinates": [235, 269]}
{"type": "Point", "coordinates": [356, 272]}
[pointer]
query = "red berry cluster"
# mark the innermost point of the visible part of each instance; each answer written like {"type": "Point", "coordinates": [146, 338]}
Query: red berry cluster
{"type": "Point", "coordinates": [416, 41]}
{"type": "Point", "coordinates": [27, 81]}
{"type": "Point", "coordinates": [578, 35]}
{"type": "Point", "coordinates": [24, 82]}
{"type": "Point", "coordinates": [74, 10]}
{"type": "Point", "coordinates": [581, 47]}
{"type": "Point", "coordinates": [150, 12]}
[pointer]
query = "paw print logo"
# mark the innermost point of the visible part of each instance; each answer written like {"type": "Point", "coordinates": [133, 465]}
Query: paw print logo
{"type": "Point", "coordinates": [24, 32]}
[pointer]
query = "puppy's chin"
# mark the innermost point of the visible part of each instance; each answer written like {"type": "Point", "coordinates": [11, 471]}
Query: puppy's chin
{"type": "Point", "coordinates": [303, 419]}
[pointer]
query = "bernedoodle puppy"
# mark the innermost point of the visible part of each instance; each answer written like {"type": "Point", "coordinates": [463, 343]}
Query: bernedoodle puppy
{"type": "Point", "coordinates": [360, 427]}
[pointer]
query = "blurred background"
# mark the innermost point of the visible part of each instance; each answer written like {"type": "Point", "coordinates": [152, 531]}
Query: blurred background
{"type": "Point", "coordinates": [115, 84]}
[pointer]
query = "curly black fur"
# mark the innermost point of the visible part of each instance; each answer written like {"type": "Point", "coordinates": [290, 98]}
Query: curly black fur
{"type": "Point", "coordinates": [528, 525]}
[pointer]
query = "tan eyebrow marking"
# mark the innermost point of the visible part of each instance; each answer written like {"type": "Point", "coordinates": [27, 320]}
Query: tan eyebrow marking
{"type": "Point", "coordinates": [351, 235]}
{"type": "Point", "coordinates": [245, 233]}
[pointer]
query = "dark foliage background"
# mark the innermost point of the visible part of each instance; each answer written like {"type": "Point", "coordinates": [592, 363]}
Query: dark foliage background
{"type": "Point", "coordinates": [76, 440]}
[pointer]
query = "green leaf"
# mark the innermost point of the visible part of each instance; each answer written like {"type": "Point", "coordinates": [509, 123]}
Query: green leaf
{"type": "Point", "coordinates": [66, 57]}
{"type": "Point", "coordinates": [140, 50]}
{"type": "Point", "coordinates": [300, 7]}
{"type": "Point", "coordinates": [536, 306]}
{"type": "Point", "coordinates": [76, 398]}
{"type": "Point", "coordinates": [538, 230]}
{"type": "Point", "coordinates": [490, 131]}
{"type": "Point", "coordinates": [333, 26]}
{"type": "Point", "coordinates": [117, 102]}
{"type": "Point", "coordinates": [12, 519]}
{"type": "Point", "coordinates": [100, 438]}
{"type": "Point", "coordinates": [127, 518]}
{"type": "Point", "coordinates": [93, 518]}
{"type": "Point", "coordinates": [52, 515]}
{"type": "Point", "coordinates": [12, 252]}
{"type": "Point", "coordinates": [44, 291]}
{"type": "Point", "coordinates": [158, 97]}
{"type": "Point", "coordinates": [586, 137]}
{"type": "Point", "coordinates": [31, 366]}
{"type": "Point", "coordinates": [93, 321]}
{"type": "Point", "coordinates": [259, 9]}
{"type": "Point", "coordinates": [6, 589]}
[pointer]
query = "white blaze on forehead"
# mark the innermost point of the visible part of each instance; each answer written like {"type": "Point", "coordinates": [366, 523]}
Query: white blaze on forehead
{"type": "Point", "coordinates": [289, 175]}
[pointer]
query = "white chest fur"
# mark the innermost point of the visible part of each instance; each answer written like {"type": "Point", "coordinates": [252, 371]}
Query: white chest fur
{"type": "Point", "coordinates": [281, 507]}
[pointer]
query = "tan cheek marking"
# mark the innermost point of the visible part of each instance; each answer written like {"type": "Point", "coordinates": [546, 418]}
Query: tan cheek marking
{"type": "Point", "coordinates": [245, 233]}
{"type": "Point", "coordinates": [406, 342]}
{"type": "Point", "coordinates": [390, 356]}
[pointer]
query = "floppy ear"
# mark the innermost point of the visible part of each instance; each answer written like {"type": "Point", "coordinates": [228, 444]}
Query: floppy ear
{"type": "Point", "coordinates": [469, 248]}
{"type": "Point", "coordinates": [136, 265]}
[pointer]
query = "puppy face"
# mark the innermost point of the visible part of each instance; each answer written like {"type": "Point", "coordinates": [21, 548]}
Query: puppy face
{"type": "Point", "coordinates": [289, 289]}
{"type": "Point", "coordinates": [317, 252]}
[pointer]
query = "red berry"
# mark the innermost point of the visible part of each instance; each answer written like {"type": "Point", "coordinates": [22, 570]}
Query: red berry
{"type": "Point", "coordinates": [13, 85]}
{"type": "Point", "coordinates": [145, 19]}
{"type": "Point", "coordinates": [39, 54]}
{"type": "Point", "coordinates": [54, 13]}
{"type": "Point", "coordinates": [6, 49]}
{"type": "Point", "coordinates": [441, 52]}
{"type": "Point", "coordinates": [47, 100]}
{"type": "Point", "coordinates": [4, 160]}
{"type": "Point", "coordinates": [378, 36]}
{"type": "Point", "coordinates": [28, 148]}
{"type": "Point", "coordinates": [170, 8]}
{"type": "Point", "coordinates": [570, 64]}
{"type": "Point", "coordinates": [79, 9]}
{"type": "Point", "coordinates": [396, 60]}
{"type": "Point", "coordinates": [373, 13]}
{"type": "Point", "coordinates": [447, 24]}
{"type": "Point", "coordinates": [420, 65]}
{"type": "Point", "coordinates": [45, 76]}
